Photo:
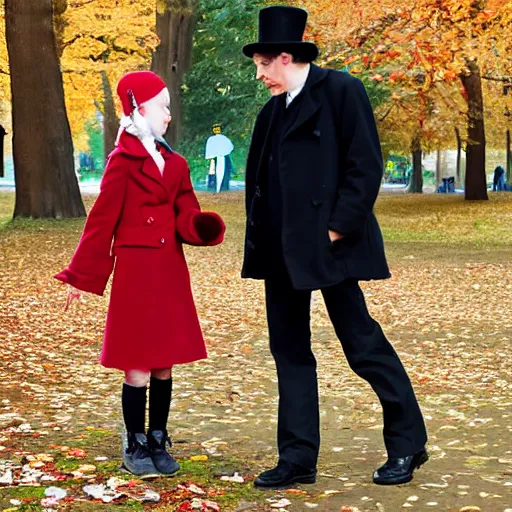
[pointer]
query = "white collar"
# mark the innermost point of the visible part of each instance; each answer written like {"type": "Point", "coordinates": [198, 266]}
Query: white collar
{"type": "Point", "coordinates": [137, 125]}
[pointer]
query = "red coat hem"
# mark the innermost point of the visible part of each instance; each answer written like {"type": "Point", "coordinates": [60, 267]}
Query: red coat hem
{"type": "Point", "coordinates": [161, 365]}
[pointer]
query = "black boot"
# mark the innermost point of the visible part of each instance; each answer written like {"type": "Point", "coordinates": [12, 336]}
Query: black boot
{"type": "Point", "coordinates": [399, 470]}
{"type": "Point", "coordinates": [136, 457]}
{"type": "Point", "coordinates": [285, 474]}
{"type": "Point", "coordinates": [164, 462]}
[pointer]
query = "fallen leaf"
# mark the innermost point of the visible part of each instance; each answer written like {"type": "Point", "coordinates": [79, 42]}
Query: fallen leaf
{"type": "Point", "coordinates": [77, 452]}
{"type": "Point", "coordinates": [199, 458]}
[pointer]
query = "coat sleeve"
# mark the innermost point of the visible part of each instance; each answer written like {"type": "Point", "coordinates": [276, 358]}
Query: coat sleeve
{"type": "Point", "coordinates": [194, 226]}
{"type": "Point", "coordinates": [93, 261]}
{"type": "Point", "coordinates": [360, 160]}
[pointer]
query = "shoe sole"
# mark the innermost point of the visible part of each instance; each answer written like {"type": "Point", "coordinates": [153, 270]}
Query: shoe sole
{"type": "Point", "coordinates": [424, 458]}
{"type": "Point", "coordinates": [148, 476]}
{"type": "Point", "coordinates": [169, 474]}
{"type": "Point", "coordinates": [297, 480]}
{"type": "Point", "coordinates": [144, 476]}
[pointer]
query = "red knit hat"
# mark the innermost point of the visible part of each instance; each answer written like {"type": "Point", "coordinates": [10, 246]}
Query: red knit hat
{"type": "Point", "coordinates": [144, 85]}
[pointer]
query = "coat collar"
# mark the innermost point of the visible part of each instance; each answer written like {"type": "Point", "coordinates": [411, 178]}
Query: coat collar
{"type": "Point", "coordinates": [131, 146]}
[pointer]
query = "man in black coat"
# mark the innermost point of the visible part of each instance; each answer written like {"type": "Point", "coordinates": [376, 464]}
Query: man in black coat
{"type": "Point", "coordinates": [313, 174]}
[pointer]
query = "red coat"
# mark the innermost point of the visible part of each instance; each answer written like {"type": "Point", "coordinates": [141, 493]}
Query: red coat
{"type": "Point", "coordinates": [138, 224]}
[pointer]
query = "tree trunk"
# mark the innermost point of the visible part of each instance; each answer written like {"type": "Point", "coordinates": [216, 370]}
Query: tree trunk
{"type": "Point", "coordinates": [110, 120]}
{"type": "Point", "coordinates": [476, 181]}
{"type": "Point", "coordinates": [438, 169]}
{"type": "Point", "coordinates": [175, 22]}
{"type": "Point", "coordinates": [3, 133]}
{"type": "Point", "coordinates": [509, 160]}
{"type": "Point", "coordinates": [59, 23]}
{"type": "Point", "coordinates": [416, 183]}
{"type": "Point", "coordinates": [458, 178]}
{"type": "Point", "coordinates": [46, 183]}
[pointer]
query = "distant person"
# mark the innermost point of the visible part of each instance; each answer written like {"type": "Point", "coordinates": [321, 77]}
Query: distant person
{"type": "Point", "coordinates": [218, 149]}
{"type": "Point", "coordinates": [498, 184]}
{"type": "Point", "coordinates": [3, 133]}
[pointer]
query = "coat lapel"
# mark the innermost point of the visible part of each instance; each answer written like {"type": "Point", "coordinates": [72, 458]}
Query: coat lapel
{"type": "Point", "coordinates": [132, 146]}
{"type": "Point", "coordinates": [309, 104]}
{"type": "Point", "coordinates": [308, 108]}
{"type": "Point", "coordinates": [150, 169]}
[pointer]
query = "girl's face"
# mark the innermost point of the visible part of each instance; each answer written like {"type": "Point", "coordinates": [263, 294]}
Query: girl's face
{"type": "Point", "coordinates": [157, 113]}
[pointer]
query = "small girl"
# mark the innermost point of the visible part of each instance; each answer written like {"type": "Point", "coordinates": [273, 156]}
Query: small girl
{"type": "Point", "coordinates": [145, 211]}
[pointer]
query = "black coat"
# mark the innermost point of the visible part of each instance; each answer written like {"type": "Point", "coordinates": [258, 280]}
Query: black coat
{"type": "Point", "coordinates": [330, 170]}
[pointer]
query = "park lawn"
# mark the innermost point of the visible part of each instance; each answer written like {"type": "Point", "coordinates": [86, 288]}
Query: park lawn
{"type": "Point", "coordinates": [444, 220]}
{"type": "Point", "coordinates": [446, 310]}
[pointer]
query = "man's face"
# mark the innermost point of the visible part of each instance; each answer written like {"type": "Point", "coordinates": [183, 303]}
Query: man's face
{"type": "Point", "coordinates": [157, 113]}
{"type": "Point", "coordinates": [273, 71]}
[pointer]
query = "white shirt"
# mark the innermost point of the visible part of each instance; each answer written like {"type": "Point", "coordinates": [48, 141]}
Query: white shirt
{"type": "Point", "coordinates": [293, 94]}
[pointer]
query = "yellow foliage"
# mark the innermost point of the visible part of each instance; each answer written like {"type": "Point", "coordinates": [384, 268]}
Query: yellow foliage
{"type": "Point", "coordinates": [102, 37]}
{"type": "Point", "coordinates": [98, 35]}
{"type": "Point", "coordinates": [5, 93]}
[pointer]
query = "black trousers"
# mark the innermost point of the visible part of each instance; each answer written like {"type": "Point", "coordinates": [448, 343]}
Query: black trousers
{"type": "Point", "coordinates": [369, 354]}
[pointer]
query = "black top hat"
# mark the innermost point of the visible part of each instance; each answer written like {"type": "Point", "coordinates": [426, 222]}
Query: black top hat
{"type": "Point", "coordinates": [281, 30]}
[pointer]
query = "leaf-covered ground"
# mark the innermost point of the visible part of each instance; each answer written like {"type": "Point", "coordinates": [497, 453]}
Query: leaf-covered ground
{"type": "Point", "coordinates": [447, 310]}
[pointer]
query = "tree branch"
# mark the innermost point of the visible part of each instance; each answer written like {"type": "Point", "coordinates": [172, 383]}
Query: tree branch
{"type": "Point", "coordinates": [497, 78]}
{"type": "Point", "coordinates": [65, 44]}
{"type": "Point", "coordinates": [77, 5]}
{"type": "Point", "coordinates": [383, 118]}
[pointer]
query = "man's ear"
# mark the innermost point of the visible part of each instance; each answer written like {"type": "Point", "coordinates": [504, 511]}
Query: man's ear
{"type": "Point", "coordinates": [286, 58]}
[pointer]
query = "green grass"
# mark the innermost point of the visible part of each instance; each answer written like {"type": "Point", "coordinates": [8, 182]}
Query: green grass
{"type": "Point", "coordinates": [204, 474]}
{"type": "Point", "coordinates": [446, 219]}
{"type": "Point", "coordinates": [436, 219]}
{"type": "Point", "coordinates": [22, 493]}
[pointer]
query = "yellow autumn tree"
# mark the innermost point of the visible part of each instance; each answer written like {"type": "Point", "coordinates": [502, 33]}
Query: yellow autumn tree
{"type": "Point", "coordinates": [102, 36]}
{"type": "Point", "coordinates": [4, 75]}
{"type": "Point", "coordinates": [93, 36]}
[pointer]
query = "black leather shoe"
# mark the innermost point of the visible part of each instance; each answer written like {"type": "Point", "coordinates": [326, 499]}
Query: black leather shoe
{"type": "Point", "coordinates": [163, 460]}
{"type": "Point", "coordinates": [136, 457]}
{"type": "Point", "coordinates": [284, 475]}
{"type": "Point", "coordinates": [400, 470]}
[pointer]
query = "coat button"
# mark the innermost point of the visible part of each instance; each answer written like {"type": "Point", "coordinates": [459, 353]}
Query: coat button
{"type": "Point", "coordinates": [257, 192]}
{"type": "Point", "coordinates": [317, 133]}
{"type": "Point", "coordinates": [150, 220]}
{"type": "Point", "coordinates": [162, 240]}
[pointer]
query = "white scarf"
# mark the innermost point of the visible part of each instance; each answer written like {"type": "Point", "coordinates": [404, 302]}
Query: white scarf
{"type": "Point", "coordinates": [137, 125]}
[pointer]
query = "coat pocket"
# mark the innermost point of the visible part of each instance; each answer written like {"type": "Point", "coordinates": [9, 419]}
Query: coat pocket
{"type": "Point", "coordinates": [137, 237]}
{"type": "Point", "coordinates": [339, 247]}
